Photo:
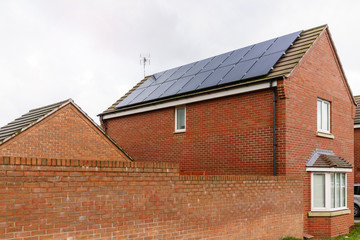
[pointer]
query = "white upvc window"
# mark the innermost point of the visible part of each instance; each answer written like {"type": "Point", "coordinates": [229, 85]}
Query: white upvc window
{"type": "Point", "coordinates": [328, 191]}
{"type": "Point", "coordinates": [323, 116]}
{"type": "Point", "coordinates": [180, 119]}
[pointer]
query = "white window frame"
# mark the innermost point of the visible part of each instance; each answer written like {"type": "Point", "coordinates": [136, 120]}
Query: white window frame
{"type": "Point", "coordinates": [322, 117]}
{"type": "Point", "coordinates": [176, 115]}
{"type": "Point", "coordinates": [327, 207]}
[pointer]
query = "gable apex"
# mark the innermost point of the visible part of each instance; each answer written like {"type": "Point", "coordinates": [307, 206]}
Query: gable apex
{"type": "Point", "coordinates": [337, 58]}
{"type": "Point", "coordinates": [37, 118]}
{"type": "Point", "coordinates": [27, 120]}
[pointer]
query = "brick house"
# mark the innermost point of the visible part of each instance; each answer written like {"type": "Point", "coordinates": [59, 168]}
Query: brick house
{"type": "Point", "coordinates": [280, 107]}
{"type": "Point", "coordinates": [58, 131]}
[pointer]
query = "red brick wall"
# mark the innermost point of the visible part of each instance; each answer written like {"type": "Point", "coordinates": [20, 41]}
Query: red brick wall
{"type": "Point", "coordinates": [66, 134]}
{"type": "Point", "coordinates": [318, 75]}
{"type": "Point", "coordinates": [71, 199]}
{"type": "Point", "coordinates": [357, 155]}
{"type": "Point", "coordinates": [231, 135]}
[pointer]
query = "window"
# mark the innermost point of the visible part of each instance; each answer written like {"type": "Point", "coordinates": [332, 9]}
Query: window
{"type": "Point", "coordinates": [328, 191]}
{"type": "Point", "coordinates": [323, 116]}
{"type": "Point", "coordinates": [180, 119]}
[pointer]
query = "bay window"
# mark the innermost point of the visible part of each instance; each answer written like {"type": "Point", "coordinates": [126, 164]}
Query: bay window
{"type": "Point", "coordinates": [328, 191]}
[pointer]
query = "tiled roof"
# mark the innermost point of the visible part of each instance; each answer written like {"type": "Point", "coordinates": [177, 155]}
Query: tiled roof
{"type": "Point", "coordinates": [36, 115]}
{"type": "Point", "coordinates": [326, 159]}
{"type": "Point", "coordinates": [357, 114]}
{"type": "Point", "coordinates": [331, 161]}
{"type": "Point", "coordinates": [282, 68]}
{"type": "Point", "coordinates": [25, 121]}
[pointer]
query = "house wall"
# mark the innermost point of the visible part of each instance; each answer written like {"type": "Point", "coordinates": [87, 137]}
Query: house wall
{"type": "Point", "coordinates": [318, 76]}
{"type": "Point", "coordinates": [75, 199]}
{"type": "Point", "coordinates": [65, 134]}
{"type": "Point", "coordinates": [357, 155]}
{"type": "Point", "coordinates": [233, 135]}
{"type": "Point", "coordinates": [230, 135]}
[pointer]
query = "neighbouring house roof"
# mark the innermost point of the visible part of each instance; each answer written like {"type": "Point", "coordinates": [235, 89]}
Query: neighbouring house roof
{"type": "Point", "coordinates": [272, 59]}
{"type": "Point", "coordinates": [25, 121]}
{"type": "Point", "coordinates": [36, 115]}
{"type": "Point", "coordinates": [357, 113]}
{"type": "Point", "coordinates": [326, 159]}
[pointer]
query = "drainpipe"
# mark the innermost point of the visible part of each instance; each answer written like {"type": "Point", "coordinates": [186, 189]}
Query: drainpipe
{"type": "Point", "coordinates": [104, 122]}
{"type": "Point", "coordinates": [274, 127]}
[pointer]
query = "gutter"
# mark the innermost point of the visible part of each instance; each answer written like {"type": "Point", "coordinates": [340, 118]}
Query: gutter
{"type": "Point", "coordinates": [273, 88]}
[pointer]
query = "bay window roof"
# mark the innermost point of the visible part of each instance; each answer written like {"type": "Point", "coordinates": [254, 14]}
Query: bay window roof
{"type": "Point", "coordinates": [327, 159]}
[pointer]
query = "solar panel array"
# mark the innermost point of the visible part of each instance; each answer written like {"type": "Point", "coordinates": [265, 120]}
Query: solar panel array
{"type": "Point", "coordinates": [244, 63]}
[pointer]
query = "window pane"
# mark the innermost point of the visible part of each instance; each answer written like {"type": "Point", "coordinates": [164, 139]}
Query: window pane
{"type": "Point", "coordinates": [180, 118]}
{"type": "Point", "coordinates": [332, 186]}
{"type": "Point", "coordinates": [325, 116]}
{"type": "Point", "coordinates": [337, 190]}
{"type": "Point", "coordinates": [319, 190]}
{"type": "Point", "coordinates": [343, 190]}
{"type": "Point", "coordinates": [319, 114]}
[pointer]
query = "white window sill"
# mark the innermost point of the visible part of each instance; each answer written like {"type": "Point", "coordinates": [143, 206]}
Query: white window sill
{"type": "Point", "coordinates": [180, 131]}
{"type": "Point", "coordinates": [328, 213]}
{"type": "Point", "coordinates": [325, 135]}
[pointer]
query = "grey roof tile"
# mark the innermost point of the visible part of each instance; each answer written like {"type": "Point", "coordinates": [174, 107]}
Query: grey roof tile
{"type": "Point", "coordinates": [326, 159]}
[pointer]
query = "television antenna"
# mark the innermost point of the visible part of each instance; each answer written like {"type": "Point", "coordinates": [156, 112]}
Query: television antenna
{"type": "Point", "coordinates": [144, 60]}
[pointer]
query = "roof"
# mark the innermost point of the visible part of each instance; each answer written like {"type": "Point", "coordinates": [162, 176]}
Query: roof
{"type": "Point", "coordinates": [25, 121]}
{"type": "Point", "coordinates": [148, 91]}
{"type": "Point", "coordinates": [357, 113]}
{"type": "Point", "coordinates": [326, 159]}
{"type": "Point", "coordinates": [36, 115]}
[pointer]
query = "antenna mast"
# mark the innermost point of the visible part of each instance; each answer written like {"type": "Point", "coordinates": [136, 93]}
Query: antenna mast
{"type": "Point", "coordinates": [144, 60]}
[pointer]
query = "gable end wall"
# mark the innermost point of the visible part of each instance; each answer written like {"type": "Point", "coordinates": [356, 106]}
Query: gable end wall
{"type": "Point", "coordinates": [65, 134]}
{"type": "Point", "coordinates": [318, 75]}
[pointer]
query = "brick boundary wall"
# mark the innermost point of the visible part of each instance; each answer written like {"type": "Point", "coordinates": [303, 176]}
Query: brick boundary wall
{"type": "Point", "coordinates": [72, 199]}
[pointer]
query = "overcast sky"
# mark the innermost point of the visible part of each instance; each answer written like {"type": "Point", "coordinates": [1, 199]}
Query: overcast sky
{"type": "Point", "coordinates": [90, 50]}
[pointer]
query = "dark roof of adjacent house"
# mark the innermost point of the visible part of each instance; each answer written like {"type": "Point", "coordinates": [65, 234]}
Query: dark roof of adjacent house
{"type": "Point", "coordinates": [326, 159]}
{"type": "Point", "coordinates": [357, 113]}
{"type": "Point", "coordinates": [36, 115]}
{"type": "Point", "coordinates": [272, 59]}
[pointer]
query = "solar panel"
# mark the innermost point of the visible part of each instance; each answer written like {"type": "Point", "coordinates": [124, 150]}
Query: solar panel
{"type": "Point", "coordinates": [182, 70]}
{"type": "Point", "coordinates": [236, 56]}
{"type": "Point", "coordinates": [178, 84]}
{"type": "Point", "coordinates": [144, 94]}
{"type": "Point", "coordinates": [258, 50]}
{"type": "Point", "coordinates": [238, 72]}
{"type": "Point", "coordinates": [215, 77]}
{"type": "Point", "coordinates": [148, 82]}
{"type": "Point", "coordinates": [131, 97]}
{"type": "Point", "coordinates": [215, 62]}
{"type": "Point", "coordinates": [197, 67]}
{"type": "Point", "coordinates": [280, 42]}
{"type": "Point", "coordinates": [263, 65]}
{"type": "Point", "coordinates": [166, 75]}
{"type": "Point", "coordinates": [160, 90]}
{"type": "Point", "coordinates": [248, 62]}
{"type": "Point", "coordinates": [195, 82]}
